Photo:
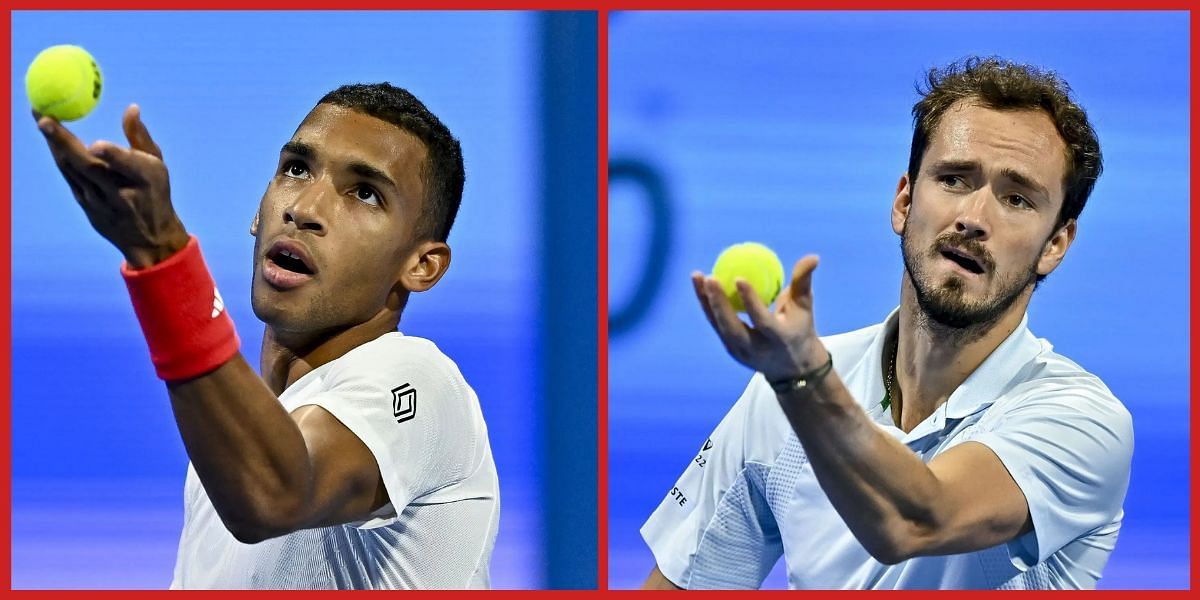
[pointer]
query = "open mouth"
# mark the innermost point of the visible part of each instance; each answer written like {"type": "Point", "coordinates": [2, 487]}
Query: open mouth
{"type": "Point", "coordinates": [963, 261]}
{"type": "Point", "coordinates": [291, 257]}
{"type": "Point", "coordinates": [289, 262]}
{"type": "Point", "coordinates": [288, 265]}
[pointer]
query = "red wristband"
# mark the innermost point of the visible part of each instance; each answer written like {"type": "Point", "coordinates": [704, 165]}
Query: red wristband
{"type": "Point", "coordinates": [183, 316]}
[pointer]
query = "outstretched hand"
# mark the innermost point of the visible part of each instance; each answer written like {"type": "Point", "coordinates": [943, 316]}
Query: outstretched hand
{"type": "Point", "coordinates": [782, 344]}
{"type": "Point", "coordinates": [125, 192]}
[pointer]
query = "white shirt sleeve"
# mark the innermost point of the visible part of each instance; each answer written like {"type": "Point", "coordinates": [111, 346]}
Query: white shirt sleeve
{"type": "Point", "coordinates": [714, 529]}
{"type": "Point", "coordinates": [1069, 451]}
{"type": "Point", "coordinates": [410, 406]}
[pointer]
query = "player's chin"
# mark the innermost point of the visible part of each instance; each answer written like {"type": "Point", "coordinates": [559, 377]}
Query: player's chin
{"type": "Point", "coordinates": [965, 281]}
{"type": "Point", "coordinates": [272, 304]}
{"type": "Point", "coordinates": [280, 316]}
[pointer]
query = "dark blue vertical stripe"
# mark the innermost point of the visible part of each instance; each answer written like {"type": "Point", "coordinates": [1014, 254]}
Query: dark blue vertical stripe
{"type": "Point", "coordinates": [568, 301]}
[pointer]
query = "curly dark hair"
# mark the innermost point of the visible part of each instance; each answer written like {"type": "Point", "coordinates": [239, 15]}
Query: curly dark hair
{"type": "Point", "coordinates": [442, 173]}
{"type": "Point", "coordinates": [1003, 85]}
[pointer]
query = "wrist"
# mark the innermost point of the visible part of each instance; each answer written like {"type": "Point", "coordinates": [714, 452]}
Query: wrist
{"type": "Point", "coordinates": [802, 359]}
{"type": "Point", "coordinates": [143, 257]}
{"type": "Point", "coordinates": [812, 356]}
{"type": "Point", "coordinates": [187, 329]}
{"type": "Point", "coordinates": [810, 374]}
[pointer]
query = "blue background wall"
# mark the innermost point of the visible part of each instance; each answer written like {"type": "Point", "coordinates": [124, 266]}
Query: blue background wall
{"type": "Point", "coordinates": [792, 129]}
{"type": "Point", "coordinates": [97, 463]}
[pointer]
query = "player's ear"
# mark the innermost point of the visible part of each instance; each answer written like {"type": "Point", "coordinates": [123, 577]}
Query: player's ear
{"type": "Point", "coordinates": [254, 225]}
{"type": "Point", "coordinates": [901, 203]}
{"type": "Point", "coordinates": [425, 265]}
{"type": "Point", "coordinates": [1056, 248]}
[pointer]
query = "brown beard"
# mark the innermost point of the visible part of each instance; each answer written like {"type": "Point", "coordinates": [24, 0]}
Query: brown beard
{"type": "Point", "coordinates": [943, 304]}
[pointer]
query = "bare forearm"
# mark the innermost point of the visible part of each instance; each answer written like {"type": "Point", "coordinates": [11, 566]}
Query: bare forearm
{"type": "Point", "coordinates": [245, 447]}
{"type": "Point", "coordinates": [881, 489]}
{"type": "Point", "coordinates": [897, 506]}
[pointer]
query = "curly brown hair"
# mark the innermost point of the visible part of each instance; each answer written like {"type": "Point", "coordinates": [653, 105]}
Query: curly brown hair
{"type": "Point", "coordinates": [1004, 85]}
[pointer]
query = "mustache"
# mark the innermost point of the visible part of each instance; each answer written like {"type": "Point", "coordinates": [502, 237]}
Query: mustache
{"type": "Point", "coordinates": [969, 245]}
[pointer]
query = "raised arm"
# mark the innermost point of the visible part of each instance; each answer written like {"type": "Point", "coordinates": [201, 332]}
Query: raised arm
{"type": "Point", "coordinates": [266, 471]}
{"type": "Point", "coordinates": [897, 506]}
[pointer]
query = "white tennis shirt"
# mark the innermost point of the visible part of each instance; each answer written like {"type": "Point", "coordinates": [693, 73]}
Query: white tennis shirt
{"type": "Point", "coordinates": [749, 495]}
{"type": "Point", "coordinates": [410, 405]}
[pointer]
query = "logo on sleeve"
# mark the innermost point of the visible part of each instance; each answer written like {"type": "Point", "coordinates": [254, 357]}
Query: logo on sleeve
{"type": "Point", "coordinates": [404, 403]}
{"type": "Point", "coordinates": [678, 496]}
{"type": "Point", "coordinates": [218, 303]}
{"type": "Point", "coordinates": [700, 460]}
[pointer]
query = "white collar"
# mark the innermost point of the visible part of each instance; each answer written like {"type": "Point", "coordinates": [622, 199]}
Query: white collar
{"type": "Point", "coordinates": [981, 388]}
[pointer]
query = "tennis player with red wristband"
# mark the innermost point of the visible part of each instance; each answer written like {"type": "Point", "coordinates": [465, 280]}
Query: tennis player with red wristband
{"type": "Point", "coordinates": [360, 458]}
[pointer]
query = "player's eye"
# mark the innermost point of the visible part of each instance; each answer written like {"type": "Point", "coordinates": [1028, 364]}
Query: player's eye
{"type": "Point", "coordinates": [294, 169]}
{"type": "Point", "coordinates": [1018, 201]}
{"type": "Point", "coordinates": [952, 181]}
{"type": "Point", "coordinates": [367, 194]}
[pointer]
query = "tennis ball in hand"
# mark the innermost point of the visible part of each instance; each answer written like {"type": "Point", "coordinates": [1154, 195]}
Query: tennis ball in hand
{"type": "Point", "coordinates": [755, 263]}
{"type": "Point", "coordinates": [63, 82]}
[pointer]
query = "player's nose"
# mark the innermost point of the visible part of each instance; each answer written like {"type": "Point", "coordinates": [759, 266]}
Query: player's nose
{"type": "Point", "coordinates": [972, 220]}
{"type": "Point", "coordinates": [305, 209]}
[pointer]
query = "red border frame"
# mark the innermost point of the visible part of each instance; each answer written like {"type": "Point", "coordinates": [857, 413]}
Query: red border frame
{"type": "Point", "coordinates": [603, 8]}
{"type": "Point", "coordinates": [609, 5]}
{"type": "Point", "coordinates": [1193, 7]}
{"type": "Point", "coordinates": [602, 304]}
{"type": "Point", "coordinates": [6, 323]}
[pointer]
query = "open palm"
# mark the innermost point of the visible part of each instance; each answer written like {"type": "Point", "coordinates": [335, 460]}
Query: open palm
{"type": "Point", "coordinates": [780, 344]}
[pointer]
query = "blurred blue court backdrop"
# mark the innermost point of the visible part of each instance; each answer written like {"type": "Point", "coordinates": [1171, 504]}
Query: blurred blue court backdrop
{"type": "Point", "coordinates": [792, 129]}
{"type": "Point", "coordinates": [97, 463]}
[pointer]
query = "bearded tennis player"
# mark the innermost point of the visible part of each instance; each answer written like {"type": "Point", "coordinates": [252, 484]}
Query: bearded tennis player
{"type": "Point", "coordinates": [946, 447]}
{"type": "Point", "coordinates": [359, 458]}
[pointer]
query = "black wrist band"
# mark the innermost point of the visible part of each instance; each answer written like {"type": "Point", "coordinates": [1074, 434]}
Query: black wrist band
{"type": "Point", "coordinates": [804, 381]}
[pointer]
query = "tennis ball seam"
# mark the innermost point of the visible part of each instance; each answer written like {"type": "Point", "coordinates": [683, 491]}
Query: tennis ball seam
{"type": "Point", "coordinates": [754, 262]}
{"type": "Point", "coordinates": [89, 72]}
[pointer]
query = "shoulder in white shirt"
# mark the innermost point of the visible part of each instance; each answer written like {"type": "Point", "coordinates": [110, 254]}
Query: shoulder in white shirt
{"type": "Point", "coordinates": [410, 405]}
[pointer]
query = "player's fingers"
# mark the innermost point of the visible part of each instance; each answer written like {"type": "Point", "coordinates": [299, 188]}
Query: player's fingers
{"type": "Point", "coordinates": [123, 161]}
{"type": "Point", "coordinates": [800, 288]}
{"type": "Point", "coordinates": [137, 133]}
{"type": "Point", "coordinates": [67, 149]}
{"type": "Point", "coordinates": [702, 297]}
{"type": "Point", "coordinates": [82, 172]}
{"type": "Point", "coordinates": [63, 144]}
{"type": "Point", "coordinates": [734, 333]}
{"type": "Point", "coordinates": [78, 181]}
{"type": "Point", "coordinates": [88, 193]}
{"type": "Point", "coordinates": [72, 182]}
{"type": "Point", "coordinates": [760, 315]}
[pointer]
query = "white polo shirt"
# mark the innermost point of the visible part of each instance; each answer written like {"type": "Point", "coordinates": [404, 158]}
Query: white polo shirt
{"type": "Point", "coordinates": [749, 495]}
{"type": "Point", "coordinates": [410, 406]}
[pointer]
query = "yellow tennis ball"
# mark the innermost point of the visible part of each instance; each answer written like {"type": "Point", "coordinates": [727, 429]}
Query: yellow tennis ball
{"type": "Point", "coordinates": [63, 82]}
{"type": "Point", "coordinates": [755, 263]}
